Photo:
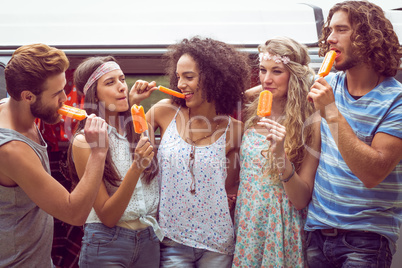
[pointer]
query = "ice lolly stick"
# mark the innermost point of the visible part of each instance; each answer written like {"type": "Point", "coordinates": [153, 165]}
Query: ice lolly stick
{"type": "Point", "coordinates": [264, 103]}
{"type": "Point", "coordinates": [171, 92]}
{"type": "Point", "coordinates": [72, 112]}
{"type": "Point", "coordinates": [327, 63]}
{"type": "Point", "coordinates": [139, 121]}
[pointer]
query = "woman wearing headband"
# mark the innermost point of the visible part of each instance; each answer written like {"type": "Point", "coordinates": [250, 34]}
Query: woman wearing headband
{"type": "Point", "coordinates": [121, 229]}
{"type": "Point", "coordinates": [278, 157]}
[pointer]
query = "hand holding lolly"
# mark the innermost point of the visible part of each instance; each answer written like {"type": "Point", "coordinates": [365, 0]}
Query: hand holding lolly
{"type": "Point", "coordinates": [72, 112]}
{"type": "Point", "coordinates": [139, 121]}
{"type": "Point", "coordinates": [326, 66]}
{"type": "Point", "coordinates": [264, 103]}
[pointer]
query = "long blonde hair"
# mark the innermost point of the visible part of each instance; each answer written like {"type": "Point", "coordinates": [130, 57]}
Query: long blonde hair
{"type": "Point", "coordinates": [297, 108]}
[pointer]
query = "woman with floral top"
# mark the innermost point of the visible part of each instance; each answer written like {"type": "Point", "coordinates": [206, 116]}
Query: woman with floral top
{"type": "Point", "coordinates": [279, 158]}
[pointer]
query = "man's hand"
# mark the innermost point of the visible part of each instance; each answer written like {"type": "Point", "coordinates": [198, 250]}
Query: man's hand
{"type": "Point", "coordinates": [96, 133]}
{"type": "Point", "coordinates": [322, 95]}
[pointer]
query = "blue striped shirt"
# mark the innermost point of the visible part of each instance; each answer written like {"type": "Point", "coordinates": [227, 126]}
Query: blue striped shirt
{"type": "Point", "coordinates": [340, 200]}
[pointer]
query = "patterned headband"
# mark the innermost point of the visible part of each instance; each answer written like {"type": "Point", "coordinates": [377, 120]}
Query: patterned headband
{"type": "Point", "coordinates": [105, 68]}
{"type": "Point", "coordinates": [275, 58]}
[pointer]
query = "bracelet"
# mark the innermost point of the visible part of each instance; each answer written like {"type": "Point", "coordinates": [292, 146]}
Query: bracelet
{"type": "Point", "coordinates": [290, 176]}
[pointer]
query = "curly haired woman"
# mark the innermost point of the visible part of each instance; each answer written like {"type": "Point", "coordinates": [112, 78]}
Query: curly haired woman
{"type": "Point", "coordinates": [198, 150]}
{"type": "Point", "coordinates": [355, 210]}
{"type": "Point", "coordinates": [279, 157]}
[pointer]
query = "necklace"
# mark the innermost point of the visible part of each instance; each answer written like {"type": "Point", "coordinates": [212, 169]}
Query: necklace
{"type": "Point", "coordinates": [193, 143]}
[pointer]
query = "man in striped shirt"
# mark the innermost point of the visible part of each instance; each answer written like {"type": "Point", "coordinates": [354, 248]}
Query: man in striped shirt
{"type": "Point", "coordinates": [356, 208]}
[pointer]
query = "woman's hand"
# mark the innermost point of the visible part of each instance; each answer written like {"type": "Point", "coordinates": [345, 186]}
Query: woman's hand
{"type": "Point", "coordinates": [140, 91]}
{"type": "Point", "coordinates": [276, 136]}
{"type": "Point", "coordinates": [143, 155]}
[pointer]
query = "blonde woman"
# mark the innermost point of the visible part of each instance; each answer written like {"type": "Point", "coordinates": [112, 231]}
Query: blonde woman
{"type": "Point", "coordinates": [278, 158]}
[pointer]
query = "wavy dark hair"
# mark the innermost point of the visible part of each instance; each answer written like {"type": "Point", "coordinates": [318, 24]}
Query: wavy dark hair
{"type": "Point", "coordinates": [224, 71]}
{"type": "Point", "coordinates": [91, 106]}
{"type": "Point", "coordinates": [374, 40]}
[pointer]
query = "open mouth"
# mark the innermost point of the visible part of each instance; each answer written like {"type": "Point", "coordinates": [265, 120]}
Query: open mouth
{"type": "Point", "coordinates": [338, 53]}
{"type": "Point", "coordinates": [188, 95]}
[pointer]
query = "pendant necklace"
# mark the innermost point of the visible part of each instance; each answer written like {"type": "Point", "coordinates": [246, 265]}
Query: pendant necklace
{"type": "Point", "coordinates": [193, 143]}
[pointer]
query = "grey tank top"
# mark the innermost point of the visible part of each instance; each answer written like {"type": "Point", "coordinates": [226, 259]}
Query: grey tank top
{"type": "Point", "coordinates": [26, 231]}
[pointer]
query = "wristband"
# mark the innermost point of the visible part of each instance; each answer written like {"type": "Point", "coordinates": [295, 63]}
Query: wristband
{"type": "Point", "coordinates": [290, 176]}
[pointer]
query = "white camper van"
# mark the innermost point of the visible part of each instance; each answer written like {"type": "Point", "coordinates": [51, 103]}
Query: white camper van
{"type": "Point", "coordinates": [137, 33]}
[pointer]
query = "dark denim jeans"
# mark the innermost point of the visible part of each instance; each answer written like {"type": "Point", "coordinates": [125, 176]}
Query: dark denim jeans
{"type": "Point", "coordinates": [349, 249]}
{"type": "Point", "coordinates": [119, 247]}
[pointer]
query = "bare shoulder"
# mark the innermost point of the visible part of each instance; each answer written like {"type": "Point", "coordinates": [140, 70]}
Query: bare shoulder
{"type": "Point", "coordinates": [236, 123]}
{"type": "Point", "coordinates": [164, 106]}
{"type": "Point", "coordinates": [14, 150]}
{"type": "Point", "coordinates": [161, 113]}
{"type": "Point", "coordinates": [17, 161]}
{"type": "Point", "coordinates": [79, 141]}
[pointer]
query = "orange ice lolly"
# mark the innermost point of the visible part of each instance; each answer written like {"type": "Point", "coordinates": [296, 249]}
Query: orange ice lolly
{"type": "Point", "coordinates": [171, 92]}
{"type": "Point", "coordinates": [327, 63]}
{"type": "Point", "coordinates": [140, 123]}
{"type": "Point", "coordinates": [264, 103]}
{"type": "Point", "coordinates": [72, 112]}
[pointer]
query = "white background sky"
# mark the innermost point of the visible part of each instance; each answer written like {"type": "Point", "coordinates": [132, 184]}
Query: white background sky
{"type": "Point", "coordinates": [127, 22]}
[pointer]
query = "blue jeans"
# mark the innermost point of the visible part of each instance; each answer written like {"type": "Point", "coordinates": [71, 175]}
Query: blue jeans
{"type": "Point", "coordinates": [348, 249]}
{"type": "Point", "coordinates": [119, 247]}
{"type": "Point", "coordinates": [175, 255]}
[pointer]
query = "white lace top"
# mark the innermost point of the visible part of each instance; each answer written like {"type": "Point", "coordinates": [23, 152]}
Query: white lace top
{"type": "Point", "coordinates": [144, 202]}
{"type": "Point", "coordinates": [201, 220]}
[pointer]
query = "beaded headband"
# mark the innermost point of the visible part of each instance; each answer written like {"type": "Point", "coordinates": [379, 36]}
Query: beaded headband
{"type": "Point", "coordinates": [275, 58]}
{"type": "Point", "coordinates": [105, 68]}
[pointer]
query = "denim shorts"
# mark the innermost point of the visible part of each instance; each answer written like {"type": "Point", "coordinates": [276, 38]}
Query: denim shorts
{"type": "Point", "coordinates": [119, 247]}
{"type": "Point", "coordinates": [347, 249]}
{"type": "Point", "coordinates": [175, 255]}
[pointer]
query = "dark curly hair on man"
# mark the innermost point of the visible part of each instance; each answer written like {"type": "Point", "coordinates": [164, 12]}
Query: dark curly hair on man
{"type": "Point", "coordinates": [224, 71]}
{"type": "Point", "coordinates": [373, 40]}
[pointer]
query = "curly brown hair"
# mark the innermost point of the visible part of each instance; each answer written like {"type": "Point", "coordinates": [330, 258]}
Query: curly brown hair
{"type": "Point", "coordinates": [374, 40]}
{"type": "Point", "coordinates": [224, 71]}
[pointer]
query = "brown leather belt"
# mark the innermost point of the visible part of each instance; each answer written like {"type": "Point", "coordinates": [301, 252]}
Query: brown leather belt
{"type": "Point", "coordinates": [333, 231]}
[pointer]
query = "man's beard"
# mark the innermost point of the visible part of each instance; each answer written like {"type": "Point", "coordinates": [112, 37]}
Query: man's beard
{"type": "Point", "coordinates": [350, 61]}
{"type": "Point", "coordinates": [41, 111]}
